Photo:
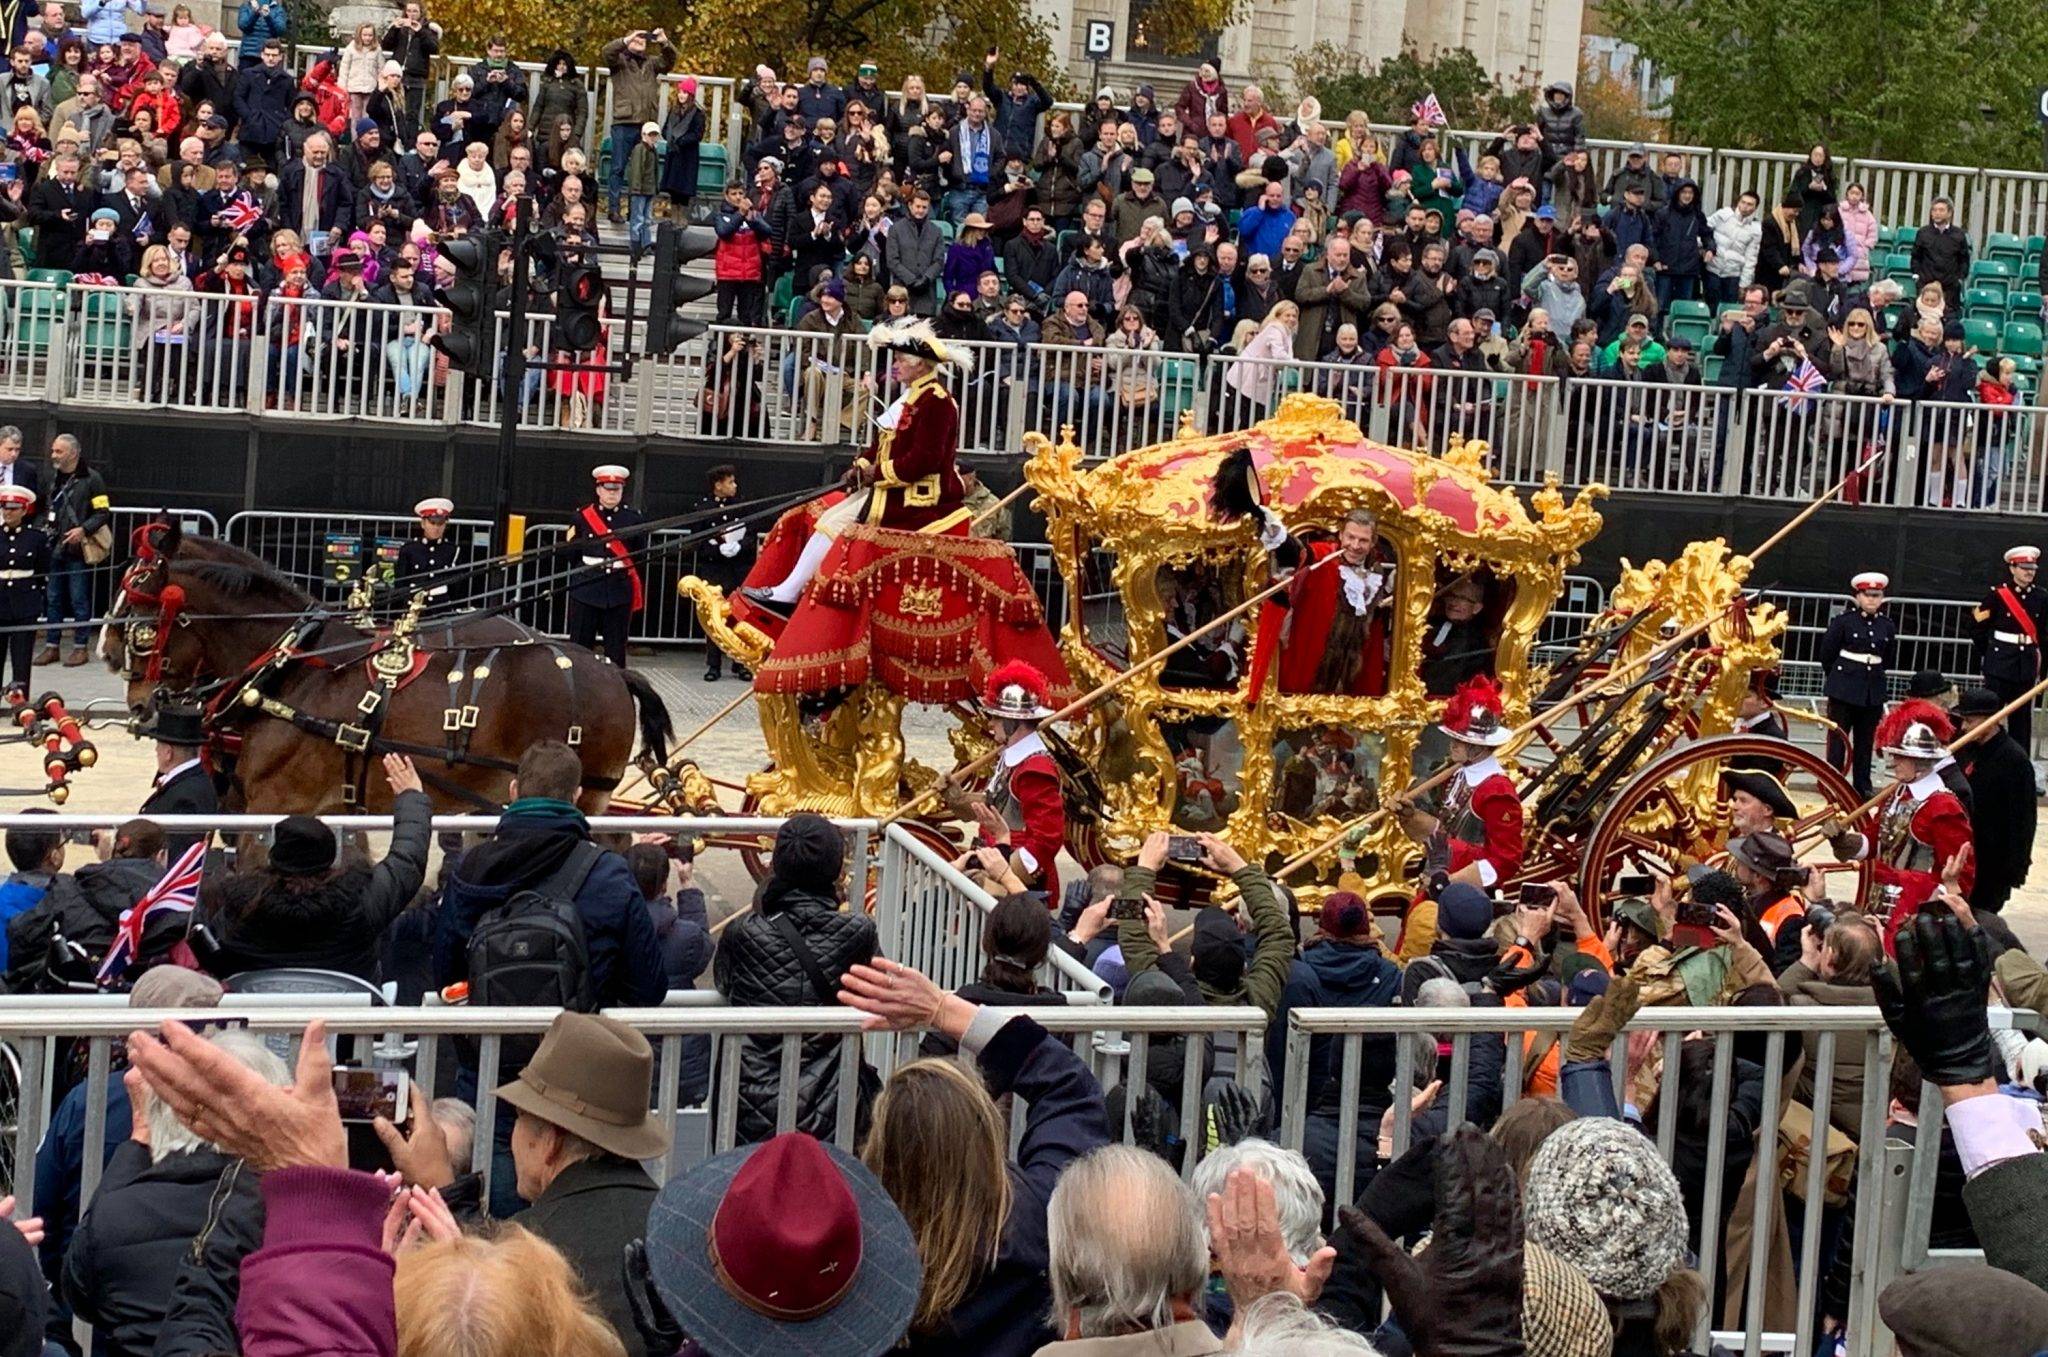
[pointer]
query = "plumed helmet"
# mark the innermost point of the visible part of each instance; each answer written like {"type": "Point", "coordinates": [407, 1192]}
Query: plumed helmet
{"type": "Point", "coordinates": [1915, 730]}
{"type": "Point", "coordinates": [1016, 692]}
{"type": "Point", "coordinates": [1473, 713]}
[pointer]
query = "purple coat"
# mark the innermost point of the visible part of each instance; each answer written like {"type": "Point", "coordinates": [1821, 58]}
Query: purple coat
{"type": "Point", "coordinates": [321, 1284]}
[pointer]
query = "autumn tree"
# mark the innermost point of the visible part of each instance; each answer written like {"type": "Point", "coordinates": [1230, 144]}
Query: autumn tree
{"type": "Point", "coordinates": [1470, 95]}
{"type": "Point", "coordinates": [936, 38]}
{"type": "Point", "coordinates": [1949, 83]}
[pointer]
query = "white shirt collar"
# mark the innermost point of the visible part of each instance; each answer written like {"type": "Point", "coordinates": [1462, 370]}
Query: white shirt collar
{"type": "Point", "coordinates": [1476, 773]}
{"type": "Point", "coordinates": [1014, 754]}
{"type": "Point", "coordinates": [1946, 761]}
{"type": "Point", "coordinates": [1752, 722]}
{"type": "Point", "coordinates": [1924, 787]}
{"type": "Point", "coordinates": [188, 763]}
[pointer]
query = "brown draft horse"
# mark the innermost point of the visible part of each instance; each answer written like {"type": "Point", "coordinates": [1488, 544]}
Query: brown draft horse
{"type": "Point", "coordinates": [193, 611]}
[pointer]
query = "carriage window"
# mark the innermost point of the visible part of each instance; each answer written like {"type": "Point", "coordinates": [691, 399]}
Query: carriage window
{"type": "Point", "coordinates": [1190, 596]}
{"type": "Point", "coordinates": [1340, 621]}
{"type": "Point", "coordinates": [1102, 608]}
{"type": "Point", "coordinates": [1463, 631]}
{"type": "Point", "coordinates": [1329, 771]}
{"type": "Point", "coordinates": [1207, 761]}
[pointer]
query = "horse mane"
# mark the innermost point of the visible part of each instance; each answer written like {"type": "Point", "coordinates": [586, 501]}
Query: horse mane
{"type": "Point", "coordinates": [238, 574]}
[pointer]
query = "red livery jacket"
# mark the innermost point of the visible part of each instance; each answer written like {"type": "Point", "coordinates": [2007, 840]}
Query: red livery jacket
{"type": "Point", "coordinates": [1025, 791]}
{"type": "Point", "coordinates": [1919, 828]}
{"type": "Point", "coordinates": [1482, 814]}
{"type": "Point", "coordinates": [916, 488]}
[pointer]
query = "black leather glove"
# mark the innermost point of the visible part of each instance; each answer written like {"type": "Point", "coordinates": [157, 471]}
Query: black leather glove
{"type": "Point", "coordinates": [1462, 1297]}
{"type": "Point", "coordinates": [1933, 998]}
{"type": "Point", "coordinates": [658, 1329]}
{"type": "Point", "coordinates": [1237, 1114]}
{"type": "Point", "coordinates": [1506, 979]}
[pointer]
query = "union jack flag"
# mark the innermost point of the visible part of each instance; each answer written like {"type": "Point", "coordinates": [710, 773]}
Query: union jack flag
{"type": "Point", "coordinates": [1427, 109]}
{"type": "Point", "coordinates": [241, 214]}
{"type": "Point", "coordinates": [1801, 384]}
{"type": "Point", "coordinates": [176, 893]}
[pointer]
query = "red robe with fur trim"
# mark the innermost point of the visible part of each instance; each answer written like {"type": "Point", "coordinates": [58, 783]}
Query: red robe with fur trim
{"type": "Point", "coordinates": [1310, 611]}
{"type": "Point", "coordinates": [1025, 791]}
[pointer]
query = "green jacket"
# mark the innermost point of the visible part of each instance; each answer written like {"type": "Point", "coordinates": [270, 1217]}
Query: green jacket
{"type": "Point", "coordinates": [2006, 1202]}
{"type": "Point", "coordinates": [643, 169]}
{"type": "Point", "coordinates": [1263, 980]}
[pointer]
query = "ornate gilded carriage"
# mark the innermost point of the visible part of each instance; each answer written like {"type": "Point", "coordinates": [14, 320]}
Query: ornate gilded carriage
{"type": "Point", "coordinates": [1189, 747]}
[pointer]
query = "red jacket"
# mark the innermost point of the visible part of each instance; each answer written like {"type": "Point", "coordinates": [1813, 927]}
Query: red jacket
{"type": "Point", "coordinates": [1943, 825]}
{"type": "Point", "coordinates": [1498, 807]}
{"type": "Point", "coordinates": [741, 239]}
{"type": "Point", "coordinates": [1034, 787]}
{"type": "Point", "coordinates": [917, 487]}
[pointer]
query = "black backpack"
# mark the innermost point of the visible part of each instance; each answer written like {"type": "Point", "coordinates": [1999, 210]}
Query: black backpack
{"type": "Point", "coordinates": [531, 951]}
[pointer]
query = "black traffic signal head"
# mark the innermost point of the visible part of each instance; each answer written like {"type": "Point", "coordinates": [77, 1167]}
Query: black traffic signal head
{"type": "Point", "coordinates": [667, 330]}
{"type": "Point", "coordinates": [579, 291]}
{"type": "Point", "coordinates": [468, 295]}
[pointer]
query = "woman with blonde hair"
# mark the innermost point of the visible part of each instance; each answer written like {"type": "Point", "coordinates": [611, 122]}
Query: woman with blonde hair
{"type": "Point", "coordinates": [165, 316]}
{"type": "Point", "coordinates": [940, 1145]}
{"type": "Point", "coordinates": [362, 61]}
{"type": "Point", "coordinates": [511, 1294]}
{"type": "Point", "coordinates": [1254, 373]}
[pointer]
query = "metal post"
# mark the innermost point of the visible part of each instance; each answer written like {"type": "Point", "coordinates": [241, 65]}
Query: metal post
{"type": "Point", "coordinates": [515, 368]}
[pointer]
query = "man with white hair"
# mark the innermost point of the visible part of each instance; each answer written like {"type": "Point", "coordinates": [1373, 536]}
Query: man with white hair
{"type": "Point", "coordinates": [1129, 1261]}
{"type": "Point", "coordinates": [1296, 1193]}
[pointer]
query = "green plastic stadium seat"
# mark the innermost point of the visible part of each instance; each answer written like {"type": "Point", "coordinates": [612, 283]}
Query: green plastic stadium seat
{"type": "Point", "coordinates": [2023, 304]}
{"type": "Point", "coordinates": [2022, 337]}
{"type": "Point", "coordinates": [2004, 245]}
{"type": "Point", "coordinates": [1691, 310]}
{"type": "Point", "coordinates": [2000, 269]}
{"type": "Point", "coordinates": [1980, 334]}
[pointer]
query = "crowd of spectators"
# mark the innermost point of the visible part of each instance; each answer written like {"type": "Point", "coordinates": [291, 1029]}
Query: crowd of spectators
{"type": "Point", "coordinates": [234, 1213]}
{"type": "Point", "coordinates": [1139, 228]}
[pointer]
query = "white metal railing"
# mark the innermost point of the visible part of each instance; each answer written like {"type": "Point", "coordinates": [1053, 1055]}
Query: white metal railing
{"type": "Point", "coordinates": [1656, 439]}
{"type": "Point", "coordinates": [1322, 1081]}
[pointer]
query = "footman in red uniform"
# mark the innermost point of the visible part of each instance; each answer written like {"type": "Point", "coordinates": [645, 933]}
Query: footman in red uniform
{"type": "Point", "coordinates": [1921, 826]}
{"type": "Point", "coordinates": [1476, 832]}
{"type": "Point", "coordinates": [1026, 813]}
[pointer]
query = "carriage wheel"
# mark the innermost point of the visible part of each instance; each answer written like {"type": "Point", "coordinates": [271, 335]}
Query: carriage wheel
{"type": "Point", "coordinates": [757, 850]}
{"type": "Point", "coordinates": [1615, 849]}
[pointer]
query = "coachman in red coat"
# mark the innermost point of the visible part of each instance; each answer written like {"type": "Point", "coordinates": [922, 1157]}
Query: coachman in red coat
{"type": "Point", "coordinates": [1476, 832]}
{"type": "Point", "coordinates": [1921, 825]}
{"type": "Point", "coordinates": [1027, 813]}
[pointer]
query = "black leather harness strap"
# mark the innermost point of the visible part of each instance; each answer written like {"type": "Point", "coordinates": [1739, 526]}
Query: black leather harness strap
{"type": "Point", "coordinates": [568, 668]}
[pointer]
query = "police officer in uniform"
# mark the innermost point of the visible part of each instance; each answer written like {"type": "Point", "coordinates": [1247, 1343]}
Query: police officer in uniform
{"type": "Point", "coordinates": [723, 559]}
{"type": "Point", "coordinates": [605, 590]}
{"type": "Point", "coordinates": [1856, 654]}
{"type": "Point", "coordinates": [2010, 623]}
{"type": "Point", "coordinates": [24, 559]}
{"type": "Point", "coordinates": [421, 559]}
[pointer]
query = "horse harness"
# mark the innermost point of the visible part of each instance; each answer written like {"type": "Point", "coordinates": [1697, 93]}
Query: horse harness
{"type": "Point", "coordinates": [393, 659]}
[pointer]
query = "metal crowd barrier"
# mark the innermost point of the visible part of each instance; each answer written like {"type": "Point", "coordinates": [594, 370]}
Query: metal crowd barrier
{"type": "Point", "coordinates": [1878, 1253]}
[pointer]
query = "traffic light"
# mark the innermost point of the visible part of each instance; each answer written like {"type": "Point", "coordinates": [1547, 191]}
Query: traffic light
{"type": "Point", "coordinates": [673, 289]}
{"type": "Point", "coordinates": [579, 291]}
{"type": "Point", "coordinates": [468, 342]}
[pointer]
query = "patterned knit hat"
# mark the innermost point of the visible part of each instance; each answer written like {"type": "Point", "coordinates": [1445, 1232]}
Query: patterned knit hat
{"type": "Point", "coordinates": [1601, 1199]}
{"type": "Point", "coordinates": [1562, 1315]}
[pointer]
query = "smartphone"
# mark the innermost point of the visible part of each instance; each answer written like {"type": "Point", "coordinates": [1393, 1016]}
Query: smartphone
{"type": "Point", "coordinates": [1183, 848]}
{"type": "Point", "coordinates": [1536, 895]}
{"type": "Point", "coordinates": [1635, 885]}
{"type": "Point", "coordinates": [1123, 910]}
{"type": "Point", "coordinates": [368, 1094]}
{"type": "Point", "coordinates": [1694, 915]}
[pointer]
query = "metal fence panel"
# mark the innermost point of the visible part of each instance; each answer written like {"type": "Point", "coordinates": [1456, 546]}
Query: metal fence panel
{"type": "Point", "coordinates": [1795, 445]}
{"type": "Point", "coordinates": [1649, 438]}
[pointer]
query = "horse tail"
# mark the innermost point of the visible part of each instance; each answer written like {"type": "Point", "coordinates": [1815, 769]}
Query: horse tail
{"type": "Point", "coordinates": [656, 729]}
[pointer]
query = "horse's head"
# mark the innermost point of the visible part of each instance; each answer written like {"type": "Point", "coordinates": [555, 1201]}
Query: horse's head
{"type": "Point", "coordinates": [143, 639]}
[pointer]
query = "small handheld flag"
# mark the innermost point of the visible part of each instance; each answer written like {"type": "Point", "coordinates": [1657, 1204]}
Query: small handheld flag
{"type": "Point", "coordinates": [1802, 383]}
{"type": "Point", "coordinates": [1428, 110]}
{"type": "Point", "coordinates": [176, 893]}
